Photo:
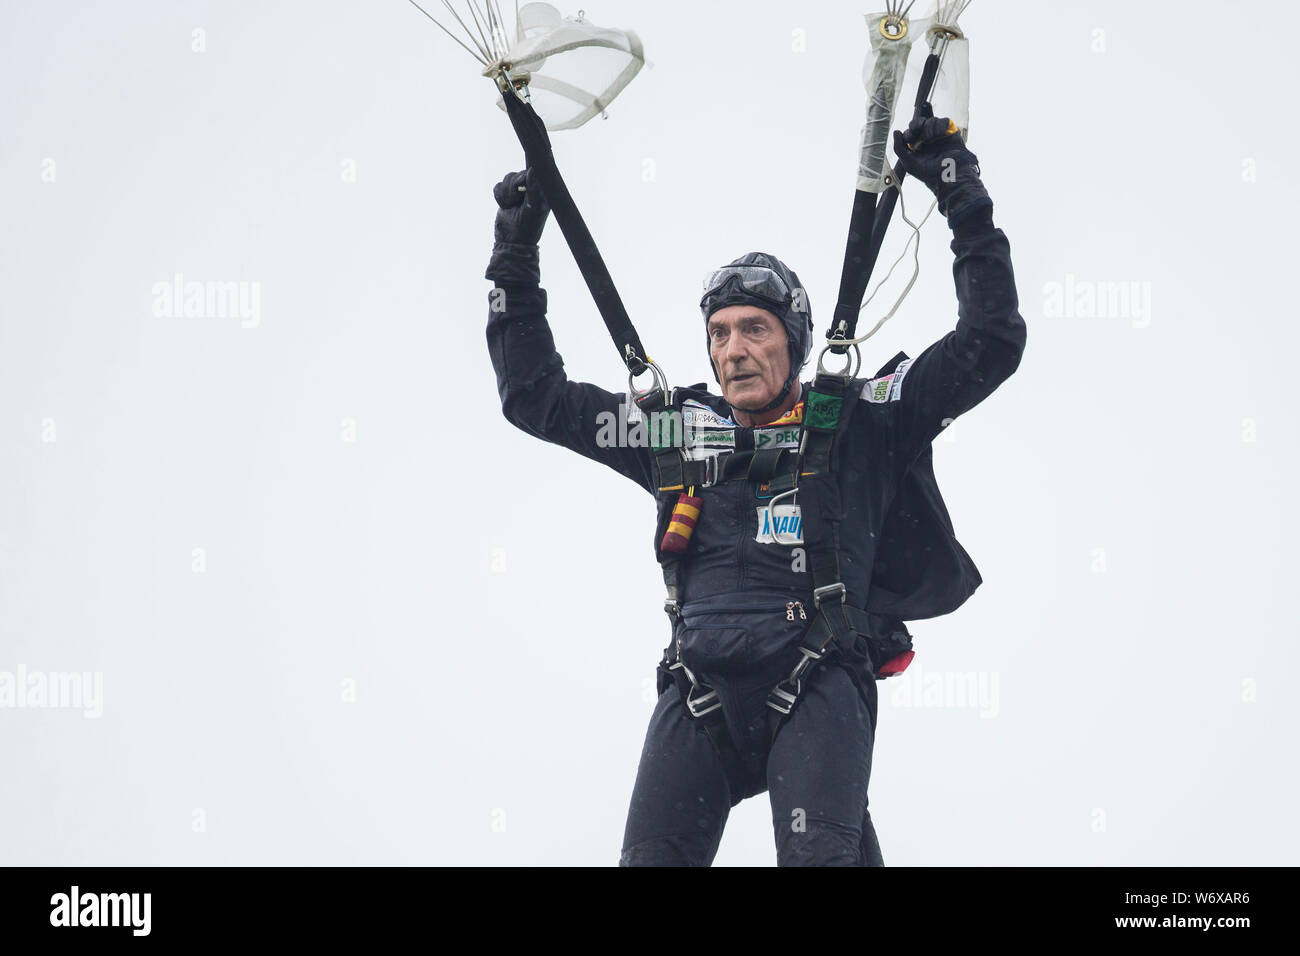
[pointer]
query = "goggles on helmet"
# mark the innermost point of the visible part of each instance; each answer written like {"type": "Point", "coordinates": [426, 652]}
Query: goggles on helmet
{"type": "Point", "coordinates": [758, 281]}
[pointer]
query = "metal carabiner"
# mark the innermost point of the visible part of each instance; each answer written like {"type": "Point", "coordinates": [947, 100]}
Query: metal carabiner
{"type": "Point", "coordinates": [660, 381]}
{"type": "Point", "coordinates": [850, 370]}
{"type": "Point", "coordinates": [771, 523]}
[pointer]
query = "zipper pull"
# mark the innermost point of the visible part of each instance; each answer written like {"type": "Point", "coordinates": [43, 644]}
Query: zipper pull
{"type": "Point", "coordinates": [802, 615]}
{"type": "Point", "coordinates": [789, 611]}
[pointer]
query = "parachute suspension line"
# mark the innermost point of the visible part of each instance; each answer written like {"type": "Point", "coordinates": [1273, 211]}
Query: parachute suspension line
{"type": "Point", "coordinates": [486, 45]}
{"type": "Point", "coordinates": [948, 12]}
{"type": "Point", "coordinates": [488, 31]}
{"type": "Point", "coordinates": [496, 25]}
{"type": "Point", "coordinates": [450, 34]}
{"type": "Point", "coordinates": [915, 237]}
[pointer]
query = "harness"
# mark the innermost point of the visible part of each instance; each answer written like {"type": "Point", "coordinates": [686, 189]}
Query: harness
{"type": "Point", "coordinates": [809, 472]}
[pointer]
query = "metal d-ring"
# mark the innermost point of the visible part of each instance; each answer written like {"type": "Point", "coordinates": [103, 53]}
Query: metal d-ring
{"type": "Point", "coordinates": [849, 371]}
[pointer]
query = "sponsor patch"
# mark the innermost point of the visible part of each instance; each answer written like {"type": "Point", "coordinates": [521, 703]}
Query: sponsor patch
{"type": "Point", "coordinates": [887, 388]}
{"type": "Point", "coordinates": [698, 415]}
{"type": "Point", "coordinates": [786, 522]}
{"type": "Point", "coordinates": [776, 438]}
{"type": "Point", "coordinates": [876, 391]}
{"type": "Point", "coordinates": [706, 432]}
{"type": "Point", "coordinates": [713, 438]}
{"type": "Point", "coordinates": [897, 391]}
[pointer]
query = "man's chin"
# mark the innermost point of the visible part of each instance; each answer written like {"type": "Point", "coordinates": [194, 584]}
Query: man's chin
{"type": "Point", "coordinates": [753, 397]}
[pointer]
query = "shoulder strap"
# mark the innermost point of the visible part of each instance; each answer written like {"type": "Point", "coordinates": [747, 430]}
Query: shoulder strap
{"type": "Point", "coordinates": [670, 480]}
{"type": "Point", "coordinates": [820, 505]}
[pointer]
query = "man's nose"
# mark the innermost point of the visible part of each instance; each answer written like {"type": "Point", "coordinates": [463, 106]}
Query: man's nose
{"type": "Point", "coordinates": [735, 351]}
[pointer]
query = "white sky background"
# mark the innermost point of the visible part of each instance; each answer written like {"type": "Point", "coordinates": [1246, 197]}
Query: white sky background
{"type": "Point", "coordinates": [495, 599]}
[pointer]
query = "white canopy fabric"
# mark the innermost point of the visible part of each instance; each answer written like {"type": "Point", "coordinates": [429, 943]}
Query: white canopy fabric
{"type": "Point", "coordinates": [575, 67]}
{"type": "Point", "coordinates": [888, 71]}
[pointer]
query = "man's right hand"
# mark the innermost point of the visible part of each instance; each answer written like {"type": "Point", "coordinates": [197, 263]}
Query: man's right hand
{"type": "Point", "coordinates": [521, 217]}
{"type": "Point", "coordinates": [523, 209]}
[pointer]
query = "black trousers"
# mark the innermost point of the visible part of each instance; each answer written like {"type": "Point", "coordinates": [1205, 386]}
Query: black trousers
{"type": "Point", "coordinates": [816, 774]}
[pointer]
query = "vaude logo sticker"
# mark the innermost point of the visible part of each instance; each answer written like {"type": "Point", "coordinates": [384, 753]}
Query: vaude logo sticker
{"type": "Point", "coordinates": [786, 522]}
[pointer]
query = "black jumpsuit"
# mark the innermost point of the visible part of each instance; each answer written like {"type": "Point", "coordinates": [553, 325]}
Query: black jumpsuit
{"type": "Point", "coordinates": [899, 560]}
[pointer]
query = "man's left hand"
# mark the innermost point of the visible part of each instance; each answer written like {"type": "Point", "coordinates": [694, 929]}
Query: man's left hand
{"type": "Point", "coordinates": [933, 151]}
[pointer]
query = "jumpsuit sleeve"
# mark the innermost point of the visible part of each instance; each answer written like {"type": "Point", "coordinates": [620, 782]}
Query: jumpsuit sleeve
{"type": "Point", "coordinates": [963, 368]}
{"type": "Point", "coordinates": [537, 396]}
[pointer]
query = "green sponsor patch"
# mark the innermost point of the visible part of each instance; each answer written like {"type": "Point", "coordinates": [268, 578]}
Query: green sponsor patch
{"type": "Point", "coordinates": [822, 411]}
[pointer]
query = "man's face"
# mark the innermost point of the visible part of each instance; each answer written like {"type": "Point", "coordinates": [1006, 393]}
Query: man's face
{"type": "Point", "coordinates": [749, 349]}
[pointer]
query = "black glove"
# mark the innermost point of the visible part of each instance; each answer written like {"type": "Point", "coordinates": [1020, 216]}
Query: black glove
{"type": "Point", "coordinates": [521, 217]}
{"type": "Point", "coordinates": [933, 151]}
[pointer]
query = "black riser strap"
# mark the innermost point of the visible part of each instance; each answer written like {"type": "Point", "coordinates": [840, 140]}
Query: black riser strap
{"type": "Point", "coordinates": [537, 149]}
{"type": "Point", "coordinates": [861, 255]}
{"type": "Point", "coordinates": [855, 274]}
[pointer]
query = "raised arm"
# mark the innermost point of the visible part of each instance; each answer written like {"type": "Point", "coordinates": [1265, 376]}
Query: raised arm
{"type": "Point", "coordinates": [964, 367]}
{"type": "Point", "coordinates": [536, 394]}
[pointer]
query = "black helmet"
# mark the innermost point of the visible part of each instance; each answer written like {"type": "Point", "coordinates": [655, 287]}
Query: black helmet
{"type": "Point", "coordinates": [764, 281]}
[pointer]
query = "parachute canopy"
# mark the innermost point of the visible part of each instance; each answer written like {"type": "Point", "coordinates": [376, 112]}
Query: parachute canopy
{"type": "Point", "coordinates": [574, 67]}
{"type": "Point", "coordinates": [568, 68]}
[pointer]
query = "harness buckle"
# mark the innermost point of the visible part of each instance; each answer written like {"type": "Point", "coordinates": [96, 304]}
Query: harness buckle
{"type": "Point", "coordinates": [780, 699]}
{"type": "Point", "coordinates": [714, 468]}
{"type": "Point", "coordinates": [710, 471]}
{"type": "Point", "coordinates": [829, 591]}
{"type": "Point", "coordinates": [707, 702]}
{"type": "Point", "coordinates": [696, 705]}
{"type": "Point", "coordinates": [787, 700]}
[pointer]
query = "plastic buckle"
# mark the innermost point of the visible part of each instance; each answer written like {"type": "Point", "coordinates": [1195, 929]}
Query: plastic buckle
{"type": "Point", "coordinates": [828, 590]}
{"type": "Point", "coordinates": [672, 608]}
